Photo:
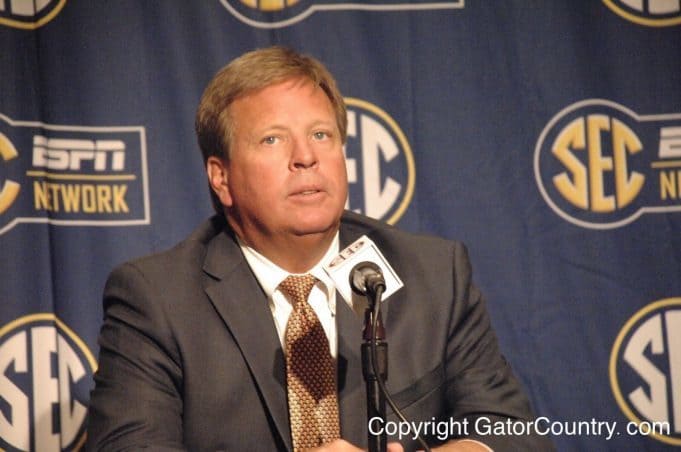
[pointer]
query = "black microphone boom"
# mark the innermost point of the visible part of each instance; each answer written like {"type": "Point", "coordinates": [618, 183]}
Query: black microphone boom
{"type": "Point", "coordinates": [365, 278]}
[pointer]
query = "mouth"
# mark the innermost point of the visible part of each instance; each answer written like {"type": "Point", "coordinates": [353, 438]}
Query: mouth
{"type": "Point", "coordinates": [307, 194]}
{"type": "Point", "coordinates": [306, 190]}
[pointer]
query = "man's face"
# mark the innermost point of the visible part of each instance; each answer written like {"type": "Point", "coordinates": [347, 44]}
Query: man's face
{"type": "Point", "coordinates": [286, 173]}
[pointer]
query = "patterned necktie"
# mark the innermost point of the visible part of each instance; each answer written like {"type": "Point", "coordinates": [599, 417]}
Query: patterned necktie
{"type": "Point", "coordinates": [310, 371]}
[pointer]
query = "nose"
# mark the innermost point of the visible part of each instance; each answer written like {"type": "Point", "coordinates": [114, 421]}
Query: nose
{"type": "Point", "coordinates": [303, 155]}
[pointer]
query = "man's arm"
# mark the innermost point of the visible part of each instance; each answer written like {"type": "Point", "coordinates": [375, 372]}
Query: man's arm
{"type": "Point", "coordinates": [481, 383]}
{"type": "Point", "coordinates": [136, 401]}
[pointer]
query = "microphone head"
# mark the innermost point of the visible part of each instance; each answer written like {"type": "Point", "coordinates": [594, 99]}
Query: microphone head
{"type": "Point", "coordinates": [366, 277]}
{"type": "Point", "coordinates": [341, 269]}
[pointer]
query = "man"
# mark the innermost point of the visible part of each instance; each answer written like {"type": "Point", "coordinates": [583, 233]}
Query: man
{"type": "Point", "coordinates": [194, 349]}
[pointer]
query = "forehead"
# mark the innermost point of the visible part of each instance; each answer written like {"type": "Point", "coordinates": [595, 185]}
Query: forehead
{"type": "Point", "coordinates": [282, 95]}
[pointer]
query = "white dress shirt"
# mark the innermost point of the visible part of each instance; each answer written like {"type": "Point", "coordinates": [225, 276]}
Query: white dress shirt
{"type": "Point", "coordinates": [322, 298]}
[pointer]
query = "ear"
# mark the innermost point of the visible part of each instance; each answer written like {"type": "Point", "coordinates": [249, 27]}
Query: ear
{"type": "Point", "coordinates": [218, 176]}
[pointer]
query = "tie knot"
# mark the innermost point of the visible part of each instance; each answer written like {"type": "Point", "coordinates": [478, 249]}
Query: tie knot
{"type": "Point", "coordinates": [298, 287]}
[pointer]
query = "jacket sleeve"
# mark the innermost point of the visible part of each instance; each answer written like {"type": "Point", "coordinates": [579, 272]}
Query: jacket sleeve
{"type": "Point", "coordinates": [481, 387]}
{"type": "Point", "coordinates": [136, 402]}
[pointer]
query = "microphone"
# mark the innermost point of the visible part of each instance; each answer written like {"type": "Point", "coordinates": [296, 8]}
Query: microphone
{"type": "Point", "coordinates": [359, 262]}
{"type": "Point", "coordinates": [365, 278]}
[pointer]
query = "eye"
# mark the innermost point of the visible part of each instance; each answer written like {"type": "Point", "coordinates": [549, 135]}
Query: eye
{"type": "Point", "coordinates": [270, 140]}
{"type": "Point", "coordinates": [320, 135]}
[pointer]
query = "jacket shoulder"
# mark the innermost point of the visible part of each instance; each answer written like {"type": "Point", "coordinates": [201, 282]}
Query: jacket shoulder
{"type": "Point", "coordinates": [355, 225]}
{"type": "Point", "coordinates": [189, 253]}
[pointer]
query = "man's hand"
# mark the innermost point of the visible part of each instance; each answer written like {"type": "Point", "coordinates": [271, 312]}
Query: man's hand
{"type": "Point", "coordinates": [341, 445]}
{"type": "Point", "coordinates": [462, 445]}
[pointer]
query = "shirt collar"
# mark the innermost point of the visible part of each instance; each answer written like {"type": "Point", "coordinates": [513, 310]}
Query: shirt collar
{"type": "Point", "coordinates": [270, 275]}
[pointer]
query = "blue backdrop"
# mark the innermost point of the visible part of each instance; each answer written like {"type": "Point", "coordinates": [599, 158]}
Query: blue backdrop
{"type": "Point", "coordinates": [545, 135]}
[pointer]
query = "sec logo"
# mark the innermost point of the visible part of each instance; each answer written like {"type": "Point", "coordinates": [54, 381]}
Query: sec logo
{"type": "Point", "coordinates": [379, 161]}
{"type": "Point", "coordinates": [645, 368]}
{"type": "Point", "coordinates": [600, 165]}
{"type": "Point", "coordinates": [652, 13]}
{"type": "Point", "coordinates": [29, 14]}
{"type": "Point", "coordinates": [45, 377]}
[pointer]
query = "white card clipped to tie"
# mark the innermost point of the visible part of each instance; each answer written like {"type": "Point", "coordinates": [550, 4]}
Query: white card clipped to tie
{"type": "Point", "coordinates": [361, 250]}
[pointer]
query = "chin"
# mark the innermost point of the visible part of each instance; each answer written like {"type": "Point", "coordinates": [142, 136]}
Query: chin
{"type": "Point", "coordinates": [313, 224]}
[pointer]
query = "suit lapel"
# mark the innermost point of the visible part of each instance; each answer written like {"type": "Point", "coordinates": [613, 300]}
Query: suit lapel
{"type": "Point", "coordinates": [243, 306]}
{"type": "Point", "coordinates": [351, 388]}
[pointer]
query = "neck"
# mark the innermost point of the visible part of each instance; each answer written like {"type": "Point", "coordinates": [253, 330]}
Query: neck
{"type": "Point", "coordinates": [293, 253]}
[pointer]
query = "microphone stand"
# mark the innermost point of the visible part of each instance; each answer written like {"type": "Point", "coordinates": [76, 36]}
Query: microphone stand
{"type": "Point", "coordinates": [375, 368]}
{"type": "Point", "coordinates": [366, 279]}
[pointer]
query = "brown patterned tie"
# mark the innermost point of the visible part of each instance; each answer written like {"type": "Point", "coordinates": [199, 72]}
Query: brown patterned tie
{"type": "Point", "coordinates": [310, 371]}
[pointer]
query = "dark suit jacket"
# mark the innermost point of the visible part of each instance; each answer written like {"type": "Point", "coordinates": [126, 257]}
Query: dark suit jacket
{"type": "Point", "coordinates": [189, 355]}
